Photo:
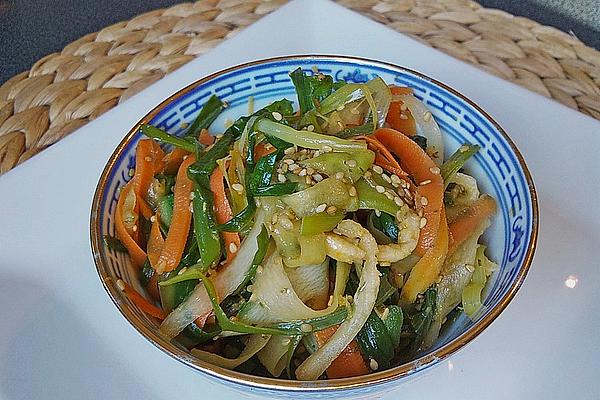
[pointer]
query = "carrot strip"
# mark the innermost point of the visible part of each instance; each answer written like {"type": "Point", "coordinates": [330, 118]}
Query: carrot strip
{"type": "Point", "coordinates": [466, 223]}
{"type": "Point", "coordinates": [383, 155]}
{"type": "Point", "coordinates": [180, 223]}
{"type": "Point", "coordinates": [407, 124]}
{"type": "Point", "coordinates": [138, 256]}
{"type": "Point", "coordinates": [223, 213]}
{"type": "Point", "coordinates": [429, 182]}
{"type": "Point", "coordinates": [428, 268]}
{"type": "Point", "coordinates": [173, 160]}
{"type": "Point", "coordinates": [156, 242]}
{"type": "Point", "coordinates": [140, 301]}
{"type": "Point", "coordinates": [148, 160]}
{"type": "Point", "coordinates": [262, 149]}
{"type": "Point", "coordinates": [206, 138]}
{"type": "Point", "coordinates": [349, 363]}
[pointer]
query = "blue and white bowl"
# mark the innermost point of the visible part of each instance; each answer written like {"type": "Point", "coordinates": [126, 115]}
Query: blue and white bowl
{"type": "Point", "coordinates": [499, 168]}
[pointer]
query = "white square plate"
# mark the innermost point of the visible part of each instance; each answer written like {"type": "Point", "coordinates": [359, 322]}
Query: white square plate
{"type": "Point", "coordinates": [62, 338]}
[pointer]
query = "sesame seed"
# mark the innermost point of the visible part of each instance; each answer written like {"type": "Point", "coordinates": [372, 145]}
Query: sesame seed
{"type": "Point", "coordinates": [233, 248]}
{"type": "Point", "coordinates": [380, 189]}
{"type": "Point", "coordinates": [427, 116]}
{"type": "Point", "coordinates": [182, 271]}
{"type": "Point", "coordinates": [385, 313]}
{"type": "Point", "coordinates": [153, 218]}
{"type": "Point", "coordinates": [367, 174]}
{"type": "Point", "coordinates": [378, 213]}
{"type": "Point", "coordinates": [331, 209]}
{"type": "Point", "coordinates": [340, 108]}
{"type": "Point", "coordinates": [339, 175]}
{"type": "Point", "coordinates": [463, 148]}
{"type": "Point", "coordinates": [321, 207]}
{"type": "Point", "coordinates": [469, 267]}
{"type": "Point", "coordinates": [306, 328]}
{"type": "Point", "coordinates": [317, 153]}
{"type": "Point", "coordinates": [148, 158]}
{"type": "Point", "coordinates": [403, 107]}
{"type": "Point", "coordinates": [351, 163]}
{"type": "Point", "coordinates": [131, 172]}
{"type": "Point", "coordinates": [352, 191]}
{"type": "Point", "coordinates": [378, 169]}
{"type": "Point", "coordinates": [389, 195]}
{"type": "Point", "coordinates": [225, 104]}
{"type": "Point", "coordinates": [402, 116]}
{"type": "Point", "coordinates": [373, 364]}
{"type": "Point", "coordinates": [398, 201]}
{"type": "Point", "coordinates": [420, 213]}
{"type": "Point", "coordinates": [386, 178]}
{"type": "Point", "coordinates": [399, 215]}
{"type": "Point", "coordinates": [434, 170]}
{"type": "Point", "coordinates": [302, 172]}
{"type": "Point", "coordinates": [354, 111]}
{"type": "Point", "coordinates": [318, 177]}
{"type": "Point", "coordinates": [286, 223]}
{"type": "Point", "coordinates": [277, 116]}
{"type": "Point", "coordinates": [422, 222]}
{"type": "Point", "coordinates": [315, 69]}
{"type": "Point", "coordinates": [424, 201]}
{"type": "Point", "coordinates": [284, 167]}
{"type": "Point", "coordinates": [134, 228]}
{"type": "Point", "coordinates": [274, 219]}
{"type": "Point", "coordinates": [259, 269]}
{"type": "Point", "coordinates": [185, 157]}
{"type": "Point", "coordinates": [281, 178]}
{"type": "Point", "coordinates": [310, 171]}
{"type": "Point", "coordinates": [288, 161]}
{"type": "Point", "coordinates": [268, 146]}
{"type": "Point", "coordinates": [289, 150]}
{"type": "Point", "coordinates": [238, 187]}
{"type": "Point", "coordinates": [192, 195]}
{"type": "Point", "coordinates": [310, 128]}
{"type": "Point", "coordinates": [394, 178]}
{"type": "Point", "coordinates": [425, 182]}
{"type": "Point", "coordinates": [309, 180]}
{"type": "Point", "coordinates": [294, 167]}
{"type": "Point", "coordinates": [326, 149]}
{"type": "Point", "coordinates": [191, 207]}
{"type": "Point", "coordinates": [121, 285]}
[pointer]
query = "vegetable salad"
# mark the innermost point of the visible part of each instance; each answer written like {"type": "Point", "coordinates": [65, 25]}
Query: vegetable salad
{"type": "Point", "coordinates": [322, 242]}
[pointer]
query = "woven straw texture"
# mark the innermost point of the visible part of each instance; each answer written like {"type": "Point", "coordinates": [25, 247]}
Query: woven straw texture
{"type": "Point", "coordinates": [65, 90]}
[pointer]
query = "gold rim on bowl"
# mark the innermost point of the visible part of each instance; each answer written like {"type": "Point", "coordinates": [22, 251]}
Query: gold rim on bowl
{"type": "Point", "coordinates": [375, 378]}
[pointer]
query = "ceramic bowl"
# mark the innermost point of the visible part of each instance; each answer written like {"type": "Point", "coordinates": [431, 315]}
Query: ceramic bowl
{"type": "Point", "coordinates": [499, 168]}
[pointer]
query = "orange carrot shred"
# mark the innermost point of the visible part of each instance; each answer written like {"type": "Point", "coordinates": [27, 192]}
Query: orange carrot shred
{"type": "Point", "coordinates": [140, 301]}
{"type": "Point", "coordinates": [138, 256]}
{"type": "Point", "coordinates": [223, 213]}
{"type": "Point", "coordinates": [349, 363]}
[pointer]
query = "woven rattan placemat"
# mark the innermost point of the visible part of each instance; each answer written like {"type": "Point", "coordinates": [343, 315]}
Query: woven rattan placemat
{"type": "Point", "coordinates": [65, 90]}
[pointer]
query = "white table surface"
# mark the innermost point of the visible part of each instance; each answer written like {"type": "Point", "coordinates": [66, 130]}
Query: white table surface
{"type": "Point", "coordinates": [62, 338]}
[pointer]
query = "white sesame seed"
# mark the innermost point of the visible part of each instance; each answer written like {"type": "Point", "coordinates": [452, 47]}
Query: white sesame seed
{"type": "Point", "coordinates": [403, 107]}
{"type": "Point", "coordinates": [354, 111]}
{"type": "Point", "coordinates": [238, 187]}
{"type": "Point", "coordinates": [310, 171]}
{"type": "Point", "coordinates": [318, 177]}
{"type": "Point", "coordinates": [394, 178]}
{"type": "Point", "coordinates": [321, 207]}
{"type": "Point", "coordinates": [288, 161]}
{"type": "Point", "coordinates": [302, 172]}
{"type": "Point", "coordinates": [351, 163]}
{"type": "Point", "coordinates": [294, 167]}
{"type": "Point", "coordinates": [469, 267]}
{"type": "Point", "coordinates": [385, 313]}
{"type": "Point", "coordinates": [331, 209]}
{"type": "Point", "coordinates": [310, 128]}
{"type": "Point", "coordinates": [340, 108]}
{"type": "Point", "coordinates": [268, 146]}
{"type": "Point", "coordinates": [153, 218]}
{"type": "Point", "coordinates": [380, 189]}
{"type": "Point", "coordinates": [286, 223]}
{"type": "Point", "coordinates": [402, 116]}
{"type": "Point", "coordinates": [378, 213]}
{"type": "Point", "coordinates": [463, 148]}
{"type": "Point", "coordinates": [233, 248]}
{"type": "Point", "coordinates": [306, 327]}
{"type": "Point", "coordinates": [326, 149]}
{"type": "Point", "coordinates": [367, 174]}
{"type": "Point", "coordinates": [378, 169]}
{"type": "Point", "coordinates": [339, 175]}
{"type": "Point", "coordinates": [422, 222]}
{"type": "Point", "coordinates": [121, 285]}
{"type": "Point", "coordinates": [434, 170]}
{"type": "Point", "coordinates": [274, 218]}
{"type": "Point", "coordinates": [398, 201]}
{"type": "Point", "coordinates": [225, 104]}
{"type": "Point", "coordinates": [135, 228]}
{"type": "Point", "coordinates": [148, 158]}
{"type": "Point", "coordinates": [386, 178]}
{"type": "Point", "coordinates": [425, 182]}
{"type": "Point", "coordinates": [192, 195]}
{"type": "Point", "coordinates": [427, 116]}
{"type": "Point", "coordinates": [284, 168]}
{"type": "Point", "coordinates": [191, 207]}
{"type": "Point", "coordinates": [131, 172]}
{"type": "Point", "coordinates": [309, 180]}
{"type": "Point", "coordinates": [373, 364]}
{"type": "Point", "coordinates": [389, 195]}
{"type": "Point", "coordinates": [281, 178]}
{"type": "Point", "coordinates": [182, 271]}
{"type": "Point", "coordinates": [424, 201]}
{"type": "Point", "coordinates": [277, 116]}
{"type": "Point", "coordinates": [420, 212]}
{"type": "Point", "coordinates": [317, 153]}
{"type": "Point", "coordinates": [352, 191]}
{"type": "Point", "coordinates": [289, 150]}
{"type": "Point", "coordinates": [259, 269]}
{"type": "Point", "coordinates": [399, 215]}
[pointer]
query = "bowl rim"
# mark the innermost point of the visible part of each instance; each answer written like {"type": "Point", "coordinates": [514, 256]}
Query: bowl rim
{"type": "Point", "coordinates": [373, 379]}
